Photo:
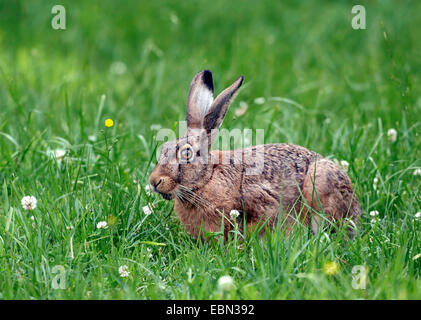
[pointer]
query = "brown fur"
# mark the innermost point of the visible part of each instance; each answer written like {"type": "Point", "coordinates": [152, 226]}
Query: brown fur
{"type": "Point", "coordinates": [208, 188]}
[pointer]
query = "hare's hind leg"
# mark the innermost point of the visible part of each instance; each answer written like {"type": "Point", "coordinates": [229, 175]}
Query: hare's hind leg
{"type": "Point", "coordinates": [330, 187]}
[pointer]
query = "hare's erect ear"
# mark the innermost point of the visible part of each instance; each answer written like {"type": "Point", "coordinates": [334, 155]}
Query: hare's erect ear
{"type": "Point", "coordinates": [218, 109]}
{"type": "Point", "coordinates": [199, 99]}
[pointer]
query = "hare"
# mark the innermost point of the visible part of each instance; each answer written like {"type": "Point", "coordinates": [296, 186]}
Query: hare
{"type": "Point", "coordinates": [206, 185]}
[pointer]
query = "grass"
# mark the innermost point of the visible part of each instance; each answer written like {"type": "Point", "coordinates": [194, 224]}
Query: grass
{"type": "Point", "coordinates": [341, 90]}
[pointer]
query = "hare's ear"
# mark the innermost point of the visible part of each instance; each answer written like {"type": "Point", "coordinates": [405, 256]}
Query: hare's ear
{"type": "Point", "coordinates": [199, 99]}
{"type": "Point", "coordinates": [218, 109]}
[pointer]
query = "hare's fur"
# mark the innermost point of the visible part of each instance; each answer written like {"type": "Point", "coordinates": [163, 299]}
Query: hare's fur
{"type": "Point", "coordinates": [311, 189]}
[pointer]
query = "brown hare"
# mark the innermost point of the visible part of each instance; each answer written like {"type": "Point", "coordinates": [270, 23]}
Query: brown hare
{"type": "Point", "coordinates": [206, 185]}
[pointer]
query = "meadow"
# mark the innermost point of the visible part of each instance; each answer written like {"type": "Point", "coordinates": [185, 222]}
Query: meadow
{"type": "Point", "coordinates": [310, 79]}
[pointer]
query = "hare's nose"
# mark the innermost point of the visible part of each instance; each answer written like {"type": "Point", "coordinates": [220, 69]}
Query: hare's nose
{"type": "Point", "coordinates": [156, 183]}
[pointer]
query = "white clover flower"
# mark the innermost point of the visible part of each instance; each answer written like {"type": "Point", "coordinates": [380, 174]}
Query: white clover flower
{"type": "Point", "coordinates": [375, 182]}
{"type": "Point", "coordinates": [417, 172]}
{"type": "Point", "coordinates": [118, 68]}
{"type": "Point", "coordinates": [234, 214]}
{"type": "Point", "coordinates": [374, 213]}
{"type": "Point", "coordinates": [373, 222]}
{"type": "Point", "coordinates": [92, 138]}
{"type": "Point", "coordinates": [102, 225]}
{"type": "Point", "coordinates": [148, 190]}
{"type": "Point", "coordinates": [418, 216]}
{"type": "Point", "coordinates": [122, 270]}
{"type": "Point", "coordinates": [57, 154]}
{"type": "Point", "coordinates": [326, 121]}
{"type": "Point", "coordinates": [225, 283]}
{"type": "Point", "coordinates": [241, 109]}
{"type": "Point", "coordinates": [149, 253]}
{"type": "Point", "coordinates": [70, 227]}
{"type": "Point", "coordinates": [392, 134]}
{"type": "Point", "coordinates": [29, 202]}
{"type": "Point", "coordinates": [34, 225]}
{"type": "Point", "coordinates": [147, 210]}
{"type": "Point", "coordinates": [259, 100]}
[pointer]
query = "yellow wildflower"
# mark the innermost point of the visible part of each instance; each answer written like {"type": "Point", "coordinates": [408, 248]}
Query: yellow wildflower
{"type": "Point", "coordinates": [109, 123]}
{"type": "Point", "coordinates": [331, 268]}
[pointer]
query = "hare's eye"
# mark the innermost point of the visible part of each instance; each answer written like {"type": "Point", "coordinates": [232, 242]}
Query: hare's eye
{"type": "Point", "coordinates": [186, 153]}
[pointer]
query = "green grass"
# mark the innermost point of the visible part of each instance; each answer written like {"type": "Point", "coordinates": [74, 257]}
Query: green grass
{"type": "Point", "coordinates": [58, 87]}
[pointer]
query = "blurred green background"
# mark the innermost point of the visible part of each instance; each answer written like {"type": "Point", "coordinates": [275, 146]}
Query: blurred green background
{"type": "Point", "coordinates": [326, 86]}
{"type": "Point", "coordinates": [304, 51]}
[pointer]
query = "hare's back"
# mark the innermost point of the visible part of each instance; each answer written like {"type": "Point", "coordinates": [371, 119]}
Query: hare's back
{"type": "Point", "coordinates": [277, 166]}
{"type": "Point", "coordinates": [284, 160]}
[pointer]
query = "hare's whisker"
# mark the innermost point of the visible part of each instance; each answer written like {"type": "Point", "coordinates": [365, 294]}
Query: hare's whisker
{"type": "Point", "coordinates": [192, 198]}
{"type": "Point", "coordinates": [196, 196]}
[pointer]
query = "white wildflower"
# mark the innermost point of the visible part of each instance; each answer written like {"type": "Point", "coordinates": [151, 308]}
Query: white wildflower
{"type": "Point", "coordinates": [259, 100]}
{"type": "Point", "coordinates": [57, 154]}
{"type": "Point", "coordinates": [29, 202]}
{"type": "Point", "coordinates": [241, 109]}
{"type": "Point", "coordinates": [147, 210]}
{"type": "Point", "coordinates": [418, 216]}
{"type": "Point", "coordinates": [326, 121]}
{"type": "Point", "coordinates": [374, 217]}
{"type": "Point", "coordinates": [234, 214]}
{"type": "Point", "coordinates": [34, 225]}
{"type": "Point", "coordinates": [118, 68]}
{"type": "Point", "coordinates": [392, 135]}
{"type": "Point", "coordinates": [92, 138]}
{"type": "Point", "coordinates": [417, 172]}
{"type": "Point", "coordinates": [375, 182]}
{"type": "Point", "coordinates": [225, 283]}
{"type": "Point", "coordinates": [102, 225]}
{"type": "Point", "coordinates": [149, 253]}
{"type": "Point", "coordinates": [148, 190]}
{"type": "Point", "coordinates": [374, 221]}
{"type": "Point", "coordinates": [70, 227]}
{"type": "Point", "coordinates": [122, 270]}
